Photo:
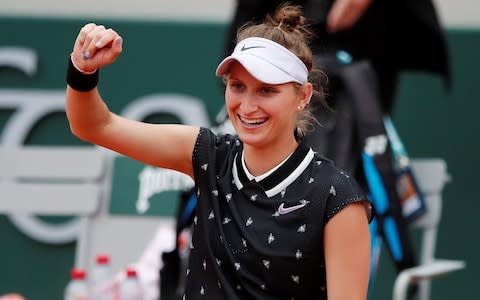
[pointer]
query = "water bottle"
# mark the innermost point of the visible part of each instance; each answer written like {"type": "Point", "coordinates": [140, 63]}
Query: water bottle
{"type": "Point", "coordinates": [77, 287]}
{"type": "Point", "coordinates": [103, 285]}
{"type": "Point", "coordinates": [131, 288]}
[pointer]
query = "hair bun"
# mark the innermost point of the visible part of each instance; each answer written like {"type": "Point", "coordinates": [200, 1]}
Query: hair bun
{"type": "Point", "coordinates": [289, 17]}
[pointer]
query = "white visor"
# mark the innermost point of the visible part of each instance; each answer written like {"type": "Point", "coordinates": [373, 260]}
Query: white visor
{"type": "Point", "coordinates": [267, 61]}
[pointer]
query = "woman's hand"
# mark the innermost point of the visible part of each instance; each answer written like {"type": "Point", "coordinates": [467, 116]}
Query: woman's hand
{"type": "Point", "coordinates": [345, 13]}
{"type": "Point", "coordinates": [96, 47]}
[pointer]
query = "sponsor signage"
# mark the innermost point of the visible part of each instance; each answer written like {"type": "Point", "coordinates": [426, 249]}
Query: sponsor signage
{"type": "Point", "coordinates": [145, 84]}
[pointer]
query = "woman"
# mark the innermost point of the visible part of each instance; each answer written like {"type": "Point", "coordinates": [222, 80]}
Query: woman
{"type": "Point", "coordinates": [274, 220]}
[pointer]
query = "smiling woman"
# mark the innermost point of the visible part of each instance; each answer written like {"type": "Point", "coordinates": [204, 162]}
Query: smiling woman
{"type": "Point", "coordinates": [263, 116]}
{"type": "Point", "coordinates": [273, 218]}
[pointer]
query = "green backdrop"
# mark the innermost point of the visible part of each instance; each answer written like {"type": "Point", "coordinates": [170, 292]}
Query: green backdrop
{"type": "Point", "coordinates": [181, 58]}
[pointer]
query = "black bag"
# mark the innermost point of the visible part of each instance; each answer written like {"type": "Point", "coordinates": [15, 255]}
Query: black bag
{"type": "Point", "coordinates": [172, 274]}
{"type": "Point", "coordinates": [355, 138]}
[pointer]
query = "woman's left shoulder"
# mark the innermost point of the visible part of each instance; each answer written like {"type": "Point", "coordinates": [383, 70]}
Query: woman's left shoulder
{"type": "Point", "coordinates": [328, 170]}
{"type": "Point", "coordinates": [345, 190]}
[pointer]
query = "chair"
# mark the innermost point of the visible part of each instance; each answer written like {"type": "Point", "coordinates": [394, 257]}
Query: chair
{"type": "Point", "coordinates": [53, 181]}
{"type": "Point", "coordinates": [125, 234]}
{"type": "Point", "coordinates": [431, 175]}
{"type": "Point", "coordinates": [73, 181]}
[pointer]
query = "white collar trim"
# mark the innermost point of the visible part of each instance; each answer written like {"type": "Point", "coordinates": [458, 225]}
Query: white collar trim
{"type": "Point", "coordinates": [283, 184]}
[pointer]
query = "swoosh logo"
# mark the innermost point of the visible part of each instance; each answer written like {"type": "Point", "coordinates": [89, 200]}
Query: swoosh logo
{"type": "Point", "coordinates": [244, 47]}
{"type": "Point", "coordinates": [285, 210]}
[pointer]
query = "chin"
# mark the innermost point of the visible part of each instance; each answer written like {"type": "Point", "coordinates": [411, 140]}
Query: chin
{"type": "Point", "coordinates": [255, 140]}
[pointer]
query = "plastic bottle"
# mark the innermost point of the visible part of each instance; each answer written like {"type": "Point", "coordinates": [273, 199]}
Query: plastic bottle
{"type": "Point", "coordinates": [184, 240]}
{"type": "Point", "coordinates": [103, 285]}
{"type": "Point", "coordinates": [131, 288]}
{"type": "Point", "coordinates": [101, 269]}
{"type": "Point", "coordinates": [77, 287]}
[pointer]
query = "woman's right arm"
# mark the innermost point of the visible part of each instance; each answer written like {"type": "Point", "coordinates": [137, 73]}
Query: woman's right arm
{"type": "Point", "coordinates": [162, 145]}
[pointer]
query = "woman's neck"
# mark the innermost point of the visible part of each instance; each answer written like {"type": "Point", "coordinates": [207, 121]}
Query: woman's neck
{"type": "Point", "coordinates": [261, 160]}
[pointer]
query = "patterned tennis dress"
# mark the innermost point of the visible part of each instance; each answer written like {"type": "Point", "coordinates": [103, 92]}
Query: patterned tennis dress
{"type": "Point", "coordinates": [261, 238]}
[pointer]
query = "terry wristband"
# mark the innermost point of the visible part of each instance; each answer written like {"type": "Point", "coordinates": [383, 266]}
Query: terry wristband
{"type": "Point", "coordinates": [79, 81]}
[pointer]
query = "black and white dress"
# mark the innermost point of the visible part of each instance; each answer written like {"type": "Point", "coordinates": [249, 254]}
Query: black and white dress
{"type": "Point", "coordinates": [261, 238]}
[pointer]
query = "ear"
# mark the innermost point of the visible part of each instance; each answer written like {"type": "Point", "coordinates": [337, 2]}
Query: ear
{"type": "Point", "coordinates": [306, 93]}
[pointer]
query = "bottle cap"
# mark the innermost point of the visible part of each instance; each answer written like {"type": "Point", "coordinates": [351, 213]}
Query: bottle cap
{"type": "Point", "coordinates": [131, 272]}
{"type": "Point", "coordinates": [77, 273]}
{"type": "Point", "coordinates": [102, 259]}
{"type": "Point", "coordinates": [182, 241]}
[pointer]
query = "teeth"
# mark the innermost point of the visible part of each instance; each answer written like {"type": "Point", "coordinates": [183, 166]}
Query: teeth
{"type": "Point", "coordinates": [255, 121]}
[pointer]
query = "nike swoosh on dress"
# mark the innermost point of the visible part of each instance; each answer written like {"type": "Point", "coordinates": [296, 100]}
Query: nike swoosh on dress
{"type": "Point", "coordinates": [285, 210]}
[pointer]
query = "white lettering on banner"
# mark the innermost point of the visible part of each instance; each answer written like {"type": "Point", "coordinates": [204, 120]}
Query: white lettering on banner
{"type": "Point", "coordinates": [19, 58]}
{"type": "Point", "coordinates": [31, 106]}
{"type": "Point", "coordinates": [156, 180]}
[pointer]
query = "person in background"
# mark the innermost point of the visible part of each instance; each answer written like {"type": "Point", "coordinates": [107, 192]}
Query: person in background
{"type": "Point", "coordinates": [395, 36]}
{"type": "Point", "coordinates": [273, 218]}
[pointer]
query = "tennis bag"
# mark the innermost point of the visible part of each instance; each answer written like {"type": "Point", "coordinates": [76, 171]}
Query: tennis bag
{"type": "Point", "coordinates": [355, 138]}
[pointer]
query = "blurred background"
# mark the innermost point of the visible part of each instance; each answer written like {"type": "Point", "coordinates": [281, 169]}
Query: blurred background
{"type": "Point", "coordinates": [172, 48]}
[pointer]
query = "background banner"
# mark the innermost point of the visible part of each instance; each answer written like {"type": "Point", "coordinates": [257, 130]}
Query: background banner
{"type": "Point", "coordinates": [169, 68]}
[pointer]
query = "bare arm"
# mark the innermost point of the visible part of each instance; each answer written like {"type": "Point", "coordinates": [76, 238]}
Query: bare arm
{"type": "Point", "coordinates": [345, 13]}
{"type": "Point", "coordinates": [347, 254]}
{"type": "Point", "coordinates": [162, 145]}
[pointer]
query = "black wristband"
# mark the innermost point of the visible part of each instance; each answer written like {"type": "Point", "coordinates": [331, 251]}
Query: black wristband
{"type": "Point", "coordinates": [79, 81]}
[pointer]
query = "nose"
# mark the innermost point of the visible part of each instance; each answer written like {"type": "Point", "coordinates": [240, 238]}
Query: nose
{"type": "Point", "coordinates": [248, 104]}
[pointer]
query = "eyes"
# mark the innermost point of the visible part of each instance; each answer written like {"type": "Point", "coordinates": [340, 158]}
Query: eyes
{"type": "Point", "coordinates": [267, 90]}
{"type": "Point", "coordinates": [238, 86]}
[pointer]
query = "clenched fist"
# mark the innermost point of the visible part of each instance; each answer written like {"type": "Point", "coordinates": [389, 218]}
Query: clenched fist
{"type": "Point", "coordinates": [95, 47]}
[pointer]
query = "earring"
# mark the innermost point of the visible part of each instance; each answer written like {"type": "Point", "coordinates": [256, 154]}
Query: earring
{"type": "Point", "coordinates": [299, 107]}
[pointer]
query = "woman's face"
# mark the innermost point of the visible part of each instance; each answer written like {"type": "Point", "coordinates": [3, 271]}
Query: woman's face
{"type": "Point", "coordinates": [262, 114]}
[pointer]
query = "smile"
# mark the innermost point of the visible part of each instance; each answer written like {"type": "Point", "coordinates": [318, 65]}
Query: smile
{"type": "Point", "coordinates": [252, 122]}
